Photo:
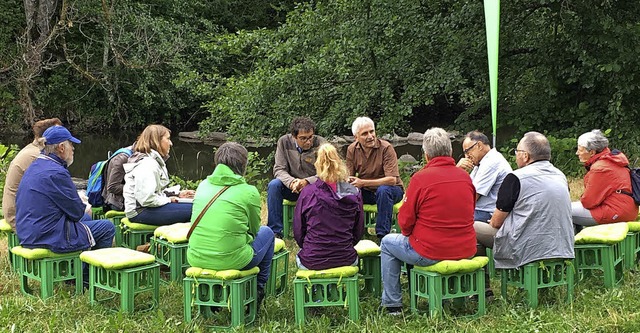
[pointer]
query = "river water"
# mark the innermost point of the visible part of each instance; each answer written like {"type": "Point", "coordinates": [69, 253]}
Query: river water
{"type": "Point", "coordinates": [192, 161]}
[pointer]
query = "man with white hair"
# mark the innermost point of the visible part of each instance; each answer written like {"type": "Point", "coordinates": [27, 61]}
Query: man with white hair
{"type": "Point", "coordinates": [436, 218]}
{"type": "Point", "coordinates": [373, 167]}
{"type": "Point", "coordinates": [49, 211]}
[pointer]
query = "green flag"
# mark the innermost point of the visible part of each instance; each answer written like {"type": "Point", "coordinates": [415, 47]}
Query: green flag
{"type": "Point", "coordinates": [492, 19]}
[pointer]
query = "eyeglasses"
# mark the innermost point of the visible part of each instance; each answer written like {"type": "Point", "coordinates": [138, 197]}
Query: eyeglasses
{"type": "Point", "coordinates": [516, 151]}
{"type": "Point", "coordinates": [466, 151]}
{"type": "Point", "coordinates": [305, 138]}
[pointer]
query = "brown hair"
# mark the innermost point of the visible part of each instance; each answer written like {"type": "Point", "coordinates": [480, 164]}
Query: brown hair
{"type": "Point", "coordinates": [40, 126]}
{"type": "Point", "coordinates": [329, 165]}
{"type": "Point", "coordinates": [150, 139]}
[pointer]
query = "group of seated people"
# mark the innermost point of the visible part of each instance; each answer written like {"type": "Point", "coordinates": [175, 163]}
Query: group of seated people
{"type": "Point", "coordinates": [450, 210]}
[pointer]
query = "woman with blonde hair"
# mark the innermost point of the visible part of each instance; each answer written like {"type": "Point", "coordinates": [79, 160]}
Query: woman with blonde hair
{"type": "Point", "coordinates": [146, 178]}
{"type": "Point", "coordinates": [328, 219]}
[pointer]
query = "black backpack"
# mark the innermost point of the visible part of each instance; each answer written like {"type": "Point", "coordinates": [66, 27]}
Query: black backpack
{"type": "Point", "coordinates": [635, 185]}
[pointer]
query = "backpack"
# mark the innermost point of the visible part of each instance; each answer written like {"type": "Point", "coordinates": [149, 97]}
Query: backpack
{"type": "Point", "coordinates": [95, 183]}
{"type": "Point", "coordinates": [635, 184]}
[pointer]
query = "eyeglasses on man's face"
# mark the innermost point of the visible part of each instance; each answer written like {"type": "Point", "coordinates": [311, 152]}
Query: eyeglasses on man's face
{"type": "Point", "coordinates": [516, 151]}
{"type": "Point", "coordinates": [466, 151]}
{"type": "Point", "coordinates": [305, 138]}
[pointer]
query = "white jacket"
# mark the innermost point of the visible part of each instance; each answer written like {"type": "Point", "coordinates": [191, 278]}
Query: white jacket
{"type": "Point", "coordinates": [146, 176]}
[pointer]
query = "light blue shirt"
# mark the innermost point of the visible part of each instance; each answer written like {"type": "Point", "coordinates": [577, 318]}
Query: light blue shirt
{"type": "Point", "coordinates": [487, 178]}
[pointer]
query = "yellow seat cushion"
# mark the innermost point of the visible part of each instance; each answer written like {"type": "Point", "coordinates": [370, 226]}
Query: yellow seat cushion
{"type": "Point", "coordinates": [34, 254]}
{"type": "Point", "coordinates": [286, 202]}
{"type": "Point", "coordinates": [371, 208]}
{"type": "Point", "coordinates": [603, 234]}
{"type": "Point", "coordinates": [174, 233]}
{"type": "Point", "coordinates": [343, 271]}
{"type": "Point", "coordinates": [230, 274]}
{"type": "Point", "coordinates": [138, 226]}
{"type": "Point", "coordinates": [116, 258]}
{"type": "Point", "coordinates": [367, 248]}
{"type": "Point", "coordinates": [446, 267]}
{"type": "Point", "coordinates": [113, 213]}
{"type": "Point", "coordinates": [279, 245]}
{"type": "Point", "coordinates": [634, 226]}
{"type": "Point", "coordinates": [4, 226]}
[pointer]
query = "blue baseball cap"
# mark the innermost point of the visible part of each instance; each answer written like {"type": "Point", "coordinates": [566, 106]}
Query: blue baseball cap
{"type": "Point", "coordinates": [57, 134]}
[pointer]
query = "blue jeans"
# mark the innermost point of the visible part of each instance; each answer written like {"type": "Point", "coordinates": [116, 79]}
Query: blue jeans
{"type": "Point", "coordinates": [385, 197]}
{"type": "Point", "coordinates": [164, 215]}
{"type": "Point", "coordinates": [482, 216]}
{"type": "Point", "coordinates": [395, 249]}
{"type": "Point", "coordinates": [262, 254]}
{"type": "Point", "coordinates": [276, 191]}
{"type": "Point", "coordinates": [103, 232]}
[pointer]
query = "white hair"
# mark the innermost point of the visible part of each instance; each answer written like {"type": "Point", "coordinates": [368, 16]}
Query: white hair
{"type": "Point", "coordinates": [359, 122]}
{"type": "Point", "coordinates": [593, 140]}
{"type": "Point", "coordinates": [436, 142]}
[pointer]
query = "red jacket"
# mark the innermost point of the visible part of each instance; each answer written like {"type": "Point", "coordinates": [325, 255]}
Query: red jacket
{"type": "Point", "coordinates": [607, 173]}
{"type": "Point", "coordinates": [437, 214]}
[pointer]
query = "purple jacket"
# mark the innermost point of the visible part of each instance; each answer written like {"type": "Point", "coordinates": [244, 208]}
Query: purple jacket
{"type": "Point", "coordinates": [327, 224]}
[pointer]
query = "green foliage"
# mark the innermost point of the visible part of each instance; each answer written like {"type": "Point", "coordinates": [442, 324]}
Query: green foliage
{"type": "Point", "coordinates": [257, 168]}
{"type": "Point", "coordinates": [563, 155]}
{"type": "Point", "coordinates": [185, 184]}
{"type": "Point", "coordinates": [6, 156]}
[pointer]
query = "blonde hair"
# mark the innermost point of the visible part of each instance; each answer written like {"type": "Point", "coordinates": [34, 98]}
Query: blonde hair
{"type": "Point", "coordinates": [329, 166]}
{"type": "Point", "coordinates": [150, 138]}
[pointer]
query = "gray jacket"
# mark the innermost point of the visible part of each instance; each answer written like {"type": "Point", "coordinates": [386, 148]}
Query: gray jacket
{"type": "Point", "coordinates": [539, 226]}
{"type": "Point", "coordinates": [290, 164]}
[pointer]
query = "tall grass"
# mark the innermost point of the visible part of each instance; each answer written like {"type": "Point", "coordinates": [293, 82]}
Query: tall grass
{"type": "Point", "coordinates": [595, 309]}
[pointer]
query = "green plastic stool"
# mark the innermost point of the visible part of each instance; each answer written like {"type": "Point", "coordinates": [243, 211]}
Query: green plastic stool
{"type": "Point", "coordinates": [608, 258]}
{"type": "Point", "coordinates": [12, 241]}
{"type": "Point", "coordinates": [123, 272]}
{"type": "Point", "coordinates": [287, 217]}
{"type": "Point", "coordinates": [171, 255]}
{"type": "Point", "coordinates": [47, 267]}
{"type": "Point", "coordinates": [232, 289]}
{"type": "Point", "coordinates": [135, 234]}
{"type": "Point", "coordinates": [279, 274]}
{"type": "Point", "coordinates": [116, 218]}
{"type": "Point", "coordinates": [370, 267]}
{"type": "Point", "coordinates": [631, 249]}
{"type": "Point", "coordinates": [539, 275]}
{"type": "Point", "coordinates": [97, 213]}
{"type": "Point", "coordinates": [340, 291]}
{"type": "Point", "coordinates": [371, 211]}
{"type": "Point", "coordinates": [436, 287]}
{"type": "Point", "coordinates": [491, 266]}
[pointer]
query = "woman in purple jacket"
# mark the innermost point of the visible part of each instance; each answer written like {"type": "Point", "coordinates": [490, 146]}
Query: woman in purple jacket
{"type": "Point", "coordinates": [328, 219]}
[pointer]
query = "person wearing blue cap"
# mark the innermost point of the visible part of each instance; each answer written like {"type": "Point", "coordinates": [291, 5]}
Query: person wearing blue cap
{"type": "Point", "coordinates": [49, 211]}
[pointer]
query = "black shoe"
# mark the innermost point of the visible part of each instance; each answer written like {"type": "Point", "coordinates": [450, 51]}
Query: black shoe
{"type": "Point", "coordinates": [260, 297]}
{"type": "Point", "coordinates": [394, 310]}
{"type": "Point", "coordinates": [278, 235]}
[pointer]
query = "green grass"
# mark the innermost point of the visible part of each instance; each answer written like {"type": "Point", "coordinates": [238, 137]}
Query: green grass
{"type": "Point", "coordinates": [595, 309]}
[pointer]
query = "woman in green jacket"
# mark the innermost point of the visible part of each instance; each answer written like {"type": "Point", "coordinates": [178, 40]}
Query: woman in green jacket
{"type": "Point", "coordinates": [229, 235]}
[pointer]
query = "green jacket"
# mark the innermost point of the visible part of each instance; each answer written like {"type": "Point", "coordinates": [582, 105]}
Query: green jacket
{"type": "Point", "coordinates": [222, 240]}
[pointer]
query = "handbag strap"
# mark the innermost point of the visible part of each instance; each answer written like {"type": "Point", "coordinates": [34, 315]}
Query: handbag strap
{"type": "Point", "coordinates": [204, 210]}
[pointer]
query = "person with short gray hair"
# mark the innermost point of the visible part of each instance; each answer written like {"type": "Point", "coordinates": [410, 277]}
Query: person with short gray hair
{"type": "Point", "coordinates": [487, 168]}
{"type": "Point", "coordinates": [228, 235]}
{"type": "Point", "coordinates": [532, 219]}
{"type": "Point", "coordinates": [436, 218]}
{"type": "Point", "coordinates": [373, 167]}
{"type": "Point", "coordinates": [607, 184]}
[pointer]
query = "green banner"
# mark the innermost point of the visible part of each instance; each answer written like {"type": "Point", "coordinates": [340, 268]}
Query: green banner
{"type": "Point", "coordinates": [492, 19]}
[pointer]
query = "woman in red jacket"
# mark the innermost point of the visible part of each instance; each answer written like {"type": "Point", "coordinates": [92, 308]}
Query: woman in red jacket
{"type": "Point", "coordinates": [605, 184]}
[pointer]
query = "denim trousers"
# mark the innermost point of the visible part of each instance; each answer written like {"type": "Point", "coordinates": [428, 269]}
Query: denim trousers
{"type": "Point", "coordinates": [262, 254]}
{"type": "Point", "coordinates": [395, 249]}
{"type": "Point", "coordinates": [481, 215]}
{"type": "Point", "coordinates": [102, 232]}
{"type": "Point", "coordinates": [164, 215]}
{"type": "Point", "coordinates": [276, 192]}
{"type": "Point", "coordinates": [384, 197]}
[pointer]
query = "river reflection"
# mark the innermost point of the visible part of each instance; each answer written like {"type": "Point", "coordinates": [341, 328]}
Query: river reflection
{"type": "Point", "coordinates": [192, 161]}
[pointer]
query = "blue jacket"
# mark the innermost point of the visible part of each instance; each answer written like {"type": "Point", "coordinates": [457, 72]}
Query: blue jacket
{"type": "Point", "coordinates": [48, 208]}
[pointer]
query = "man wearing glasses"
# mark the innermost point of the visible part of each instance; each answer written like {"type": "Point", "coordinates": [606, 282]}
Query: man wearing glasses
{"type": "Point", "coordinates": [293, 169]}
{"type": "Point", "coordinates": [487, 168]}
{"type": "Point", "coordinates": [373, 167]}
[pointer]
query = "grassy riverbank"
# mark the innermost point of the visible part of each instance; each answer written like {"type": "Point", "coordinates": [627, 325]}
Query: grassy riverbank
{"type": "Point", "coordinates": [595, 309]}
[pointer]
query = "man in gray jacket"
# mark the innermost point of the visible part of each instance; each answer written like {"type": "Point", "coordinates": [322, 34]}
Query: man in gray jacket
{"type": "Point", "coordinates": [532, 220]}
{"type": "Point", "coordinates": [293, 169]}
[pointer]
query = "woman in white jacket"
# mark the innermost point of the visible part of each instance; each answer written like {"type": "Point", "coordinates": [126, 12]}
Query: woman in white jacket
{"type": "Point", "coordinates": [146, 178]}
